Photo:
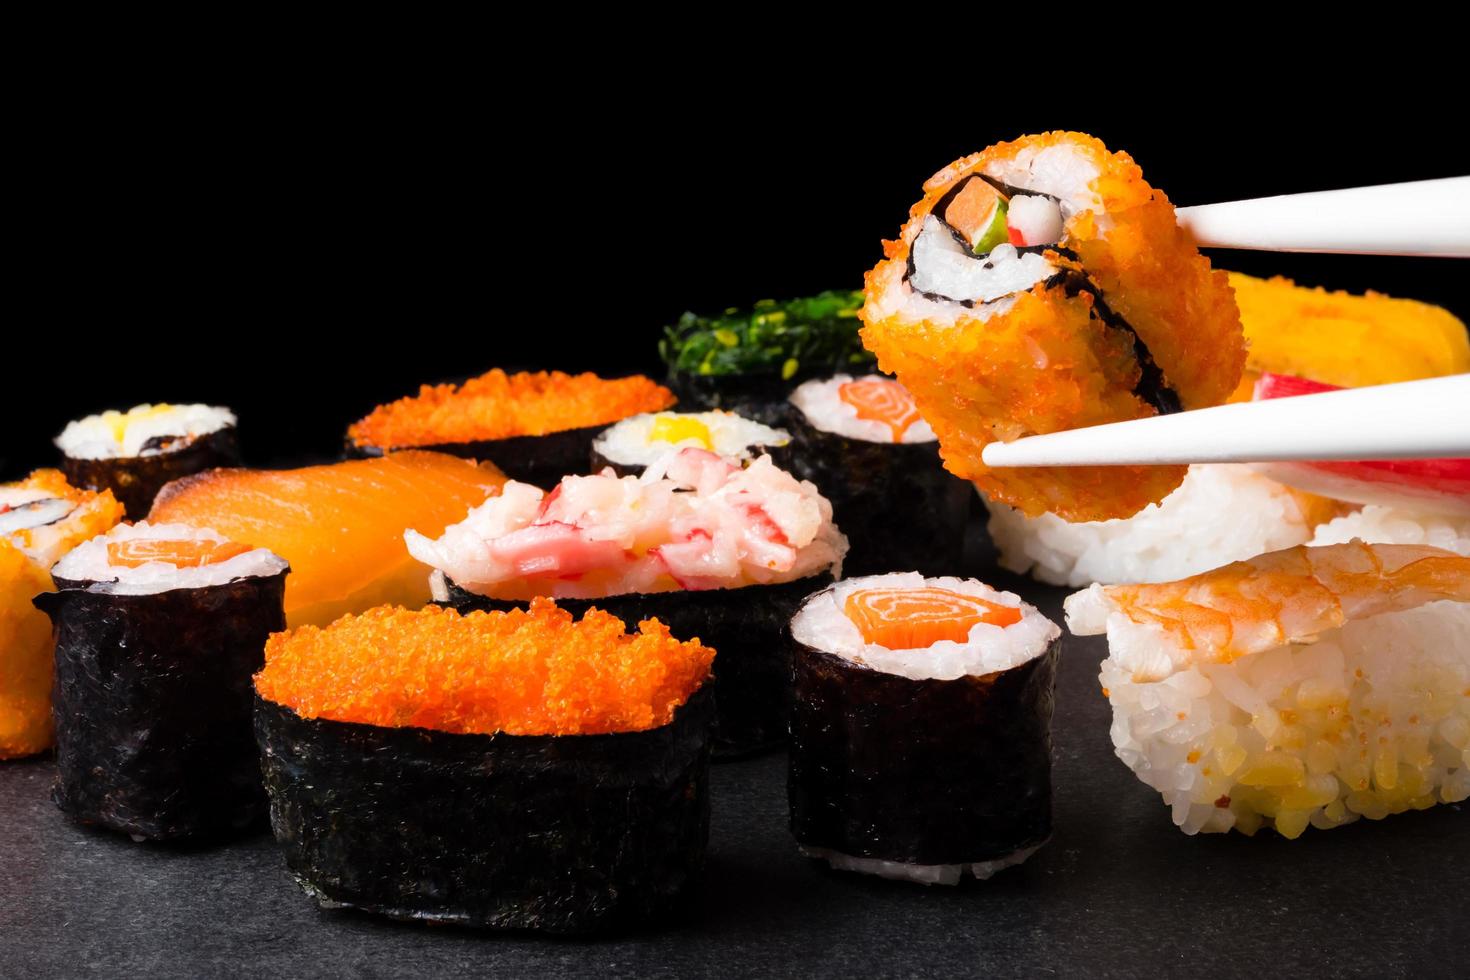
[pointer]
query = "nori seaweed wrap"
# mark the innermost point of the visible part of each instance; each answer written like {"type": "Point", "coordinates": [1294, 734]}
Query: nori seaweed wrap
{"type": "Point", "coordinates": [747, 626]}
{"type": "Point", "coordinates": [899, 507]}
{"type": "Point", "coordinates": [922, 778]}
{"type": "Point", "coordinates": [535, 426]}
{"type": "Point", "coordinates": [591, 828]}
{"type": "Point", "coordinates": [152, 693]}
{"type": "Point", "coordinates": [748, 361]}
{"type": "Point", "coordinates": [135, 453]}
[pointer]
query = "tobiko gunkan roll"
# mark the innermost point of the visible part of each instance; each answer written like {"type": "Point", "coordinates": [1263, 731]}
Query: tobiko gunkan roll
{"type": "Point", "coordinates": [635, 443]}
{"type": "Point", "coordinates": [921, 728]}
{"type": "Point", "coordinates": [134, 453]}
{"type": "Point", "coordinates": [1305, 687]}
{"type": "Point", "coordinates": [717, 551]}
{"type": "Point", "coordinates": [1043, 285]}
{"type": "Point", "coordinates": [747, 361]}
{"type": "Point", "coordinates": [159, 629]}
{"type": "Point", "coordinates": [41, 518]}
{"type": "Point", "coordinates": [516, 770]}
{"type": "Point", "coordinates": [536, 426]}
{"type": "Point", "coordinates": [862, 442]}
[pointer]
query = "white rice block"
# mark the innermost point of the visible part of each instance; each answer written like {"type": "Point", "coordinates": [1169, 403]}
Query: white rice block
{"type": "Point", "coordinates": [1222, 512]}
{"type": "Point", "coordinates": [88, 562]}
{"type": "Point", "coordinates": [820, 401]}
{"type": "Point", "coordinates": [944, 267]}
{"type": "Point", "coordinates": [115, 435]}
{"type": "Point", "coordinates": [822, 623]}
{"type": "Point", "coordinates": [1395, 526]}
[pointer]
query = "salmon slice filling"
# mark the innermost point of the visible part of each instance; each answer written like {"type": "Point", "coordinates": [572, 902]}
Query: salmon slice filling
{"type": "Point", "coordinates": [136, 552]}
{"type": "Point", "coordinates": [881, 400]}
{"type": "Point", "coordinates": [912, 619]}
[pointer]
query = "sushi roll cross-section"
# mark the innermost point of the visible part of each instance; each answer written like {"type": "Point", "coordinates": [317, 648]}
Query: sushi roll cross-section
{"type": "Point", "coordinates": [862, 441]}
{"type": "Point", "coordinates": [1043, 285]}
{"type": "Point", "coordinates": [713, 549]}
{"type": "Point", "coordinates": [1306, 687]}
{"type": "Point", "coordinates": [159, 629]}
{"type": "Point", "coordinates": [536, 426]}
{"type": "Point", "coordinates": [340, 525]}
{"type": "Point", "coordinates": [635, 443]}
{"type": "Point", "coordinates": [41, 518]}
{"type": "Point", "coordinates": [921, 727]}
{"type": "Point", "coordinates": [135, 453]}
{"type": "Point", "coordinates": [510, 770]}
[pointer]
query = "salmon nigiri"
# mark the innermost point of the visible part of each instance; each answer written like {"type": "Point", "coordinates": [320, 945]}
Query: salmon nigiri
{"type": "Point", "coordinates": [339, 525]}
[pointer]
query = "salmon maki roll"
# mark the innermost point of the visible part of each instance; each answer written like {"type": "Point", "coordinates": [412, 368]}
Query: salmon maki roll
{"type": "Point", "coordinates": [921, 729]}
{"type": "Point", "coordinates": [1043, 285]}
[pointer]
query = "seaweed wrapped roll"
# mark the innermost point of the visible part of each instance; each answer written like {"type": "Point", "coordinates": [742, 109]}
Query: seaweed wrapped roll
{"type": "Point", "coordinates": [715, 550]}
{"type": "Point", "coordinates": [134, 453]}
{"type": "Point", "coordinates": [861, 441]}
{"type": "Point", "coordinates": [921, 729]}
{"type": "Point", "coordinates": [536, 426]}
{"type": "Point", "coordinates": [516, 770]}
{"type": "Point", "coordinates": [159, 629]}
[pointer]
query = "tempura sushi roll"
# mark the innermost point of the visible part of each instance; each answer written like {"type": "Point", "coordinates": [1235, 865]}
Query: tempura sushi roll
{"type": "Point", "coordinates": [747, 361]}
{"type": "Point", "coordinates": [134, 453]}
{"type": "Point", "coordinates": [921, 729]}
{"type": "Point", "coordinates": [41, 518]}
{"type": "Point", "coordinates": [1043, 285]}
{"type": "Point", "coordinates": [536, 426]}
{"type": "Point", "coordinates": [1305, 687]}
{"type": "Point", "coordinates": [505, 770]}
{"type": "Point", "coordinates": [635, 443]}
{"type": "Point", "coordinates": [715, 550]}
{"type": "Point", "coordinates": [159, 629]}
{"type": "Point", "coordinates": [862, 442]}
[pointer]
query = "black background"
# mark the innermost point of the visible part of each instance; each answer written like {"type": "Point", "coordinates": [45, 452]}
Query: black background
{"type": "Point", "coordinates": [301, 255]}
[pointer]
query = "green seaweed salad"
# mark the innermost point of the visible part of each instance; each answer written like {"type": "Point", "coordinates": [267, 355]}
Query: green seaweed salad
{"type": "Point", "coordinates": [814, 333]}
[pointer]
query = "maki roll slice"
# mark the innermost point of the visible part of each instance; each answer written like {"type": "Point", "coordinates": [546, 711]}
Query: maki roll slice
{"type": "Point", "coordinates": [1043, 285]}
{"type": "Point", "coordinates": [861, 441]}
{"type": "Point", "coordinates": [1307, 687]}
{"type": "Point", "coordinates": [921, 730]}
{"type": "Point", "coordinates": [636, 443]}
{"type": "Point", "coordinates": [159, 629]}
{"type": "Point", "coordinates": [41, 518]}
{"type": "Point", "coordinates": [536, 426]}
{"type": "Point", "coordinates": [340, 525]}
{"type": "Point", "coordinates": [747, 361]}
{"type": "Point", "coordinates": [715, 550]}
{"type": "Point", "coordinates": [134, 453]}
{"type": "Point", "coordinates": [507, 770]}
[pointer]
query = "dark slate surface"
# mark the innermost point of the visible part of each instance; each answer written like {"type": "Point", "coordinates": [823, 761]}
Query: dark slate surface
{"type": "Point", "coordinates": [1118, 892]}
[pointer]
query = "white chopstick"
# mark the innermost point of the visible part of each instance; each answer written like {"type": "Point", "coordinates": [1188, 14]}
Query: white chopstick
{"type": "Point", "coordinates": [1410, 420]}
{"type": "Point", "coordinates": [1422, 217]}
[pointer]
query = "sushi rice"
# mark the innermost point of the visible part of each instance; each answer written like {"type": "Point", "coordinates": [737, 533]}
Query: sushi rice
{"type": "Point", "coordinates": [642, 439]}
{"type": "Point", "coordinates": [143, 430]}
{"type": "Point", "coordinates": [821, 401]}
{"type": "Point", "coordinates": [92, 562]}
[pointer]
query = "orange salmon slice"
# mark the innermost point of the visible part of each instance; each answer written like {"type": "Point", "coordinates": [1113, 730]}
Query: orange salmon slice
{"type": "Point", "coordinates": [881, 400]}
{"type": "Point", "coordinates": [340, 526]}
{"type": "Point", "coordinates": [912, 619]}
{"type": "Point", "coordinates": [180, 554]}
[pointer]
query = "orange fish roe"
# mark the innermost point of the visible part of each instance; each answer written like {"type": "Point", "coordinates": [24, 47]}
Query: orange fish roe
{"type": "Point", "coordinates": [135, 552]}
{"type": "Point", "coordinates": [525, 672]}
{"type": "Point", "coordinates": [912, 619]}
{"type": "Point", "coordinates": [497, 405]}
{"type": "Point", "coordinates": [881, 400]}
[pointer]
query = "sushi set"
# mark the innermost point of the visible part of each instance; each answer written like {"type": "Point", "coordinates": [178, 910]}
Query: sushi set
{"type": "Point", "coordinates": [521, 657]}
